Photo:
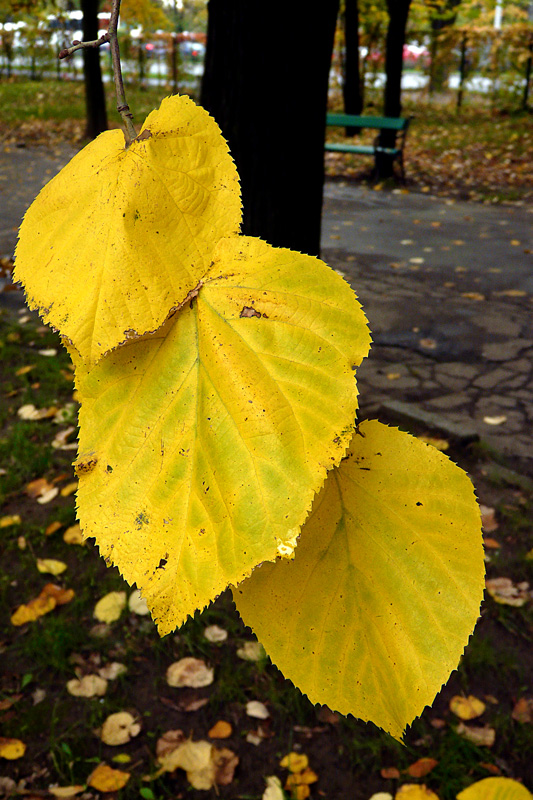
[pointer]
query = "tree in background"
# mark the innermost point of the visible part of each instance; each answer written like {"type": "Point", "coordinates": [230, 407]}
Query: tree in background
{"type": "Point", "coordinates": [266, 84]}
{"type": "Point", "coordinates": [96, 113]}
{"type": "Point", "coordinates": [352, 87]}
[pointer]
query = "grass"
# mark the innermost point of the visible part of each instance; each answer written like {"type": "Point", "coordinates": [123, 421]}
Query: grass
{"type": "Point", "coordinates": [347, 754]}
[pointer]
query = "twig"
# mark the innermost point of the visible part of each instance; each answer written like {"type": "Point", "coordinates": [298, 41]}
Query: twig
{"type": "Point", "coordinates": [111, 37]}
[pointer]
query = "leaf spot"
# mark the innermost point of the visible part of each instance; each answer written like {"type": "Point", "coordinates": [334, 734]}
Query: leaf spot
{"type": "Point", "coordinates": [248, 311]}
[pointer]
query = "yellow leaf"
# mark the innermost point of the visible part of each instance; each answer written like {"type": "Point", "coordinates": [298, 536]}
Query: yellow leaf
{"type": "Point", "coordinates": [34, 609]}
{"type": "Point", "coordinates": [196, 758]}
{"type": "Point", "coordinates": [73, 535]}
{"type": "Point", "coordinates": [11, 519]}
{"type": "Point", "coordinates": [303, 778]}
{"type": "Point", "coordinates": [107, 779]}
{"type": "Point", "coordinates": [415, 791]}
{"type": "Point", "coordinates": [110, 607]}
{"type": "Point", "coordinates": [391, 556]}
{"type": "Point", "coordinates": [294, 762]}
{"type": "Point", "coordinates": [11, 749]}
{"type": "Point", "coordinates": [495, 789]}
{"type": "Point", "coordinates": [209, 439]}
{"type": "Point", "coordinates": [69, 489]}
{"type": "Point", "coordinates": [119, 728]}
{"type": "Point", "coordinates": [156, 209]}
{"type": "Point", "coordinates": [51, 566]}
{"type": "Point", "coordinates": [467, 707]}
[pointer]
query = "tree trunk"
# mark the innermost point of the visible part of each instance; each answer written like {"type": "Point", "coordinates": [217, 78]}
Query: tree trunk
{"type": "Point", "coordinates": [352, 89]}
{"type": "Point", "coordinates": [266, 83]}
{"type": "Point", "coordinates": [94, 88]}
{"type": "Point", "coordinates": [398, 12]}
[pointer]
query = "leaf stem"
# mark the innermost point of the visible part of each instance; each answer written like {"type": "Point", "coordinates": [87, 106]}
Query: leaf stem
{"type": "Point", "coordinates": [111, 37]}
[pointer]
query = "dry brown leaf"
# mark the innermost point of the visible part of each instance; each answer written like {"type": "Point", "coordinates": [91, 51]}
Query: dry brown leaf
{"type": "Point", "coordinates": [38, 487]}
{"type": "Point", "coordinates": [421, 767]}
{"type": "Point", "coordinates": [87, 686]}
{"type": "Point", "coordinates": [119, 728]}
{"type": "Point", "coordinates": [488, 519]}
{"type": "Point", "coordinates": [191, 672]}
{"type": "Point", "coordinates": [389, 772]}
{"type": "Point", "coordinates": [483, 737]}
{"type": "Point", "coordinates": [523, 710]}
{"type": "Point", "coordinates": [225, 762]}
{"type": "Point", "coordinates": [467, 707]}
{"type": "Point", "coordinates": [220, 730]}
{"type": "Point", "coordinates": [107, 779]}
{"type": "Point", "coordinates": [61, 596]}
{"type": "Point", "coordinates": [168, 742]}
{"type": "Point", "coordinates": [490, 543]}
{"type": "Point", "coordinates": [11, 749]}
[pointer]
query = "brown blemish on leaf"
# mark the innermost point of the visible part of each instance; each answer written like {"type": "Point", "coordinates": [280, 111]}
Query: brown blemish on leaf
{"type": "Point", "coordinates": [146, 134]}
{"type": "Point", "coordinates": [85, 464]}
{"type": "Point", "coordinates": [248, 311]}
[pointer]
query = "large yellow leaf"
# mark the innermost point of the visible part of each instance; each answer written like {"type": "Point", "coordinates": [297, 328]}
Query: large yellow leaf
{"type": "Point", "coordinates": [377, 606]}
{"type": "Point", "coordinates": [120, 236]}
{"type": "Point", "coordinates": [202, 446]}
{"type": "Point", "coordinates": [495, 789]}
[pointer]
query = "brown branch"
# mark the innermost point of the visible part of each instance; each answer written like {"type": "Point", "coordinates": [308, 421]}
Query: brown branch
{"type": "Point", "coordinates": [111, 37]}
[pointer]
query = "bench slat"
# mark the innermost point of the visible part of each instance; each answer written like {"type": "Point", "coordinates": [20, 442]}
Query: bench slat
{"type": "Point", "coordinates": [362, 149]}
{"type": "Point", "coordinates": [379, 123]}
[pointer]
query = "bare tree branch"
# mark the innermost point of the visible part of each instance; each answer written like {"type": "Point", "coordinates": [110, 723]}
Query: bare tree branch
{"type": "Point", "coordinates": [111, 37]}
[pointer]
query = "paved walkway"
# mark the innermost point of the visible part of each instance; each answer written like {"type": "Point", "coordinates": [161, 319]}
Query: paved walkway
{"type": "Point", "coordinates": [447, 287]}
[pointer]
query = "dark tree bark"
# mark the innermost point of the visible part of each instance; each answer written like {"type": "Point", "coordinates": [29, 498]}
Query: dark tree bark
{"type": "Point", "coordinates": [266, 83]}
{"type": "Point", "coordinates": [94, 88]}
{"type": "Point", "coordinates": [352, 89]}
{"type": "Point", "coordinates": [398, 13]}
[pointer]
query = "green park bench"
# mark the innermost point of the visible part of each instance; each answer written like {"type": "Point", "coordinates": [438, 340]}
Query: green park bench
{"type": "Point", "coordinates": [398, 124]}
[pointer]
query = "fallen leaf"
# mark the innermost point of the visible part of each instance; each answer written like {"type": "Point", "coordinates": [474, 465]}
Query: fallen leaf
{"type": "Point", "coordinates": [21, 542]}
{"type": "Point", "coordinates": [488, 519]}
{"type": "Point", "coordinates": [499, 420]}
{"type": "Point", "coordinates": [382, 796]}
{"type": "Point", "coordinates": [253, 737]}
{"type": "Point", "coordinates": [225, 762]}
{"type": "Point", "coordinates": [251, 651]}
{"type": "Point", "coordinates": [257, 710]}
{"type": "Point", "coordinates": [119, 728]}
{"type": "Point", "coordinates": [52, 528]}
{"type": "Point", "coordinates": [69, 489]}
{"type": "Point", "coordinates": [439, 444]}
{"type": "Point", "coordinates": [168, 742]}
{"type": "Point", "coordinates": [273, 790]}
{"type": "Point", "coordinates": [421, 767]}
{"type": "Point", "coordinates": [60, 440]}
{"type": "Point", "coordinates": [24, 370]}
{"type": "Point", "coordinates": [213, 633]}
{"type": "Point", "coordinates": [38, 696]}
{"type": "Point", "coordinates": [473, 296]}
{"type": "Point", "coordinates": [61, 596]}
{"type": "Point", "coordinates": [191, 672]}
{"type": "Point", "coordinates": [33, 610]}
{"type": "Point", "coordinates": [46, 497]}
{"type": "Point", "coordinates": [495, 770]}
{"type": "Point", "coordinates": [389, 772]}
{"type": "Point", "coordinates": [523, 710]}
{"type": "Point", "coordinates": [483, 737]}
{"type": "Point", "coordinates": [38, 487]}
{"type": "Point", "coordinates": [121, 758]}
{"type": "Point", "coordinates": [110, 672]}
{"type": "Point", "coordinates": [220, 730]}
{"type": "Point", "coordinates": [511, 293]}
{"type": "Point", "coordinates": [29, 412]}
{"type": "Point", "coordinates": [109, 608]}
{"type": "Point", "coordinates": [428, 344]}
{"type": "Point", "coordinates": [65, 791]}
{"type": "Point", "coordinates": [415, 791]}
{"type": "Point", "coordinates": [294, 762]}
{"type": "Point", "coordinates": [196, 758]}
{"type": "Point", "coordinates": [51, 566]}
{"type": "Point", "coordinates": [302, 778]}
{"type": "Point", "coordinates": [137, 604]}
{"type": "Point", "coordinates": [466, 707]}
{"type": "Point", "coordinates": [73, 535]}
{"type": "Point", "coordinates": [491, 544]}
{"type": "Point", "coordinates": [11, 519]}
{"type": "Point", "coordinates": [48, 352]}
{"type": "Point", "coordinates": [107, 779]}
{"type": "Point", "coordinates": [495, 789]}
{"type": "Point", "coordinates": [11, 749]}
{"type": "Point", "coordinates": [505, 592]}
{"type": "Point", "coordinates": [88, 686]}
